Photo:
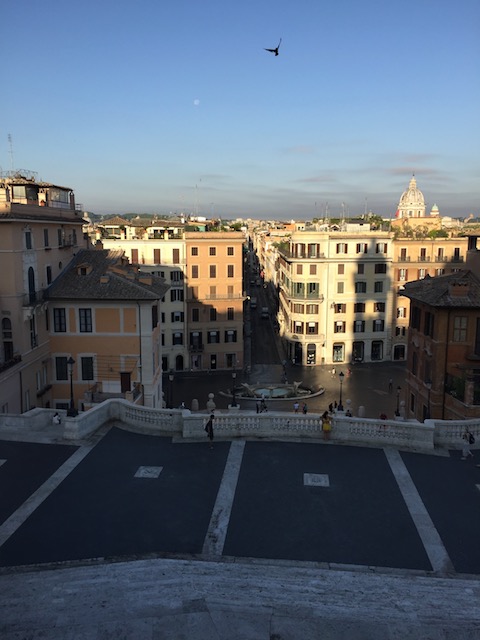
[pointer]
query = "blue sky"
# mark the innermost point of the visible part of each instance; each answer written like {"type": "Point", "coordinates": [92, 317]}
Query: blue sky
{"type": "Point", "coordinates": [164, 106]}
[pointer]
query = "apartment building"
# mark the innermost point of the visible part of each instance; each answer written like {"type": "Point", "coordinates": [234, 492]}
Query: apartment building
{"type": "Point", "coordinates": [202, 313]}
{"type": "Point", "coordinates": [335, 296]}
{"type": "Point", "coordinates": [214, 299]}
{"type": "Point", "coordinates": [105, 331]}
{"type": "Point", "coordinates": [40, 231]}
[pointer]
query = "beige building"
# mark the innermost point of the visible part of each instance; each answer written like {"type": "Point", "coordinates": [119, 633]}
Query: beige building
{"type": "Point", "coordinates": [40, 231]}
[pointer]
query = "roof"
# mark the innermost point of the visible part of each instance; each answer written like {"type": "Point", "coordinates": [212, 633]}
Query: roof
{"type": "Point", "coordinates": [459, 290]}
{"type": "Point", "coordinates": [105, 275]}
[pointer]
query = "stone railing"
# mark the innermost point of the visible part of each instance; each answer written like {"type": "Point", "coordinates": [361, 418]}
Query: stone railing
{"type": "Point", "coordinates": [245, 424]}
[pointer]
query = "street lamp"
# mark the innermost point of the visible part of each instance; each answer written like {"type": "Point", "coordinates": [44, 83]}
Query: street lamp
{"type": "Point", "coordinates": [234, 377]}
{"type": "Point", "coordinates": [341, 375]}
{"type": "Point", "coordinates": [397, 412]}
{"type": "Point", "coordinates": [72, 412]}
{"type": "Point", "coordinates": [170, 388]}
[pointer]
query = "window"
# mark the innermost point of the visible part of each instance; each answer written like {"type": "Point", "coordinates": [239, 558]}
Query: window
{"type": "Point", "coordinates": [177, 338]}
{"type": "Point", "coordinates": [402, 274]}
{"type": "Point", "coordinates": [61, 368]}
{"type": "Point", "coordinates": [362, 247]}
{"type": "Point", "coordinates": [428, 324]}
{"type": "Point", "coordinates": [313, 269]}
{"type": "Point", "coordinates": [212, 251]}
{"type": "Point", "coordinates": [381, 267]}
{"type": "Point", "coordinates": [340, 269]}
{"type": "Point", "coordinates": [459, 329]}
{"type": "Point", "coordinates": [230, 313]}
{"type": "Point", "coordinates": [45, 238]}
{"type": "Point", "coordinates": [311, 308]}
{"type": "Point", "coordinates": [49, 274]}
{"type": "Point", "coordinates": [360, 269]}
{"type": "Point", "coordinates": [7, 337]}
{"type": "Point", "coordinates": [381, 247]}
{"type": "Point", "coordinates": [400, 331]}
{"type": "Point", "coordinates": [338, 352]}
{"type": "Point", "coordinates": [340, 287]}
{"type": "Point", "coordinates": [423, 254]}
{"type": "Point", "coordinates": [422, 273]}
{"type": "Point", "coordinates": [194, 270]}
{"type": "Point", "coordinates": [194, 251]}
{"type": "Point", "coordinates": [342, 247]}
{"type": "Point", "coordinates": [176, 295]}
{"type": "Point", "coordinates": [177, 316]}
{"type": "Point", "coordinates": [439, 272]}
{"type": "Point", "coordinates": [28, 239]}
{"type": "Point", "coordinates": [299, 269]}
{"type": "Point", "coordinates": [230, 335]}
{"type": "Point", "coordinates": [134, 256]}
{"type": "Point", "coordinates": [379, 306]}
{"type": "Point", "coordinates": [415, 317]}
{"type": "Point", "coordinates": [196, 340]}
{"type": "Point", "coordinates": [230, 271]}
{"type": "Point", "coordinates": [156, 256]}
{"type": "Point", "coordinates": [154, 316]}
{"type": "Point", "coordinates": [312, 327]}
{"type": "Point", "coordinates": [176, 256]}
{"type": "Point", "coordinates": [195, 314]}
{"type": "Point", "coordinates": [85, 316]}
{"type": "Point", "coordinates": [359, 307]}
{"type": "Point", "coordinates": [298, 308]}
{"type": "Point", "coordinates": [378, 286]}
{"type": "Point", "coordinates": [213, 314]}
{"type": "Point", "coordinates": [230, 251]}
{"type": "Point", "coordinates": [298, 327]}
{"type": "Point", "coordinates": [401, 312]}
{"type": "Point", "coordinates": [213, 271]}
{"type": "Point", "coordinates": [340, 308]}
{"type": "Point", "coordinates": [213, 337]}
{"type": "Point", "coordinates": [378, 325]}
{"type": "Point", "coordinates": [360, 287]}
{"type": "Point", "coordinates": [359, 326]}
{"type": "Point", "coordinates": [59, 321]}
{"type": "Point", "coordinates": [87, 368]}
{"type": "Point", "coordinates": [339, 326]}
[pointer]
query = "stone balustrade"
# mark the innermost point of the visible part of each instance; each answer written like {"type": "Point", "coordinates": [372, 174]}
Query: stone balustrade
{"type": "Point", "coordinates": [273, 425]}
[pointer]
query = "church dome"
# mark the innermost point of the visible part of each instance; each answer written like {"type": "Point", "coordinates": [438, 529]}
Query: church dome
{"type": "Point", "coordinates": [412, 202]}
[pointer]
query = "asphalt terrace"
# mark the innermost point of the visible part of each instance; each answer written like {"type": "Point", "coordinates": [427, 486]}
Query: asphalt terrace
{"type": "Point", "coordinates": [129, 498]}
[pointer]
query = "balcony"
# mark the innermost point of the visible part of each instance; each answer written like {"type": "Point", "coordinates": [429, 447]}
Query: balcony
{"type": "Point", "coordinates": [196, 348]}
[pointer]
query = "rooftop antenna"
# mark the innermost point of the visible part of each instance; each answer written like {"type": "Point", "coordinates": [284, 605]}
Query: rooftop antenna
{"type": "Point", "coordinates": [10, 143]}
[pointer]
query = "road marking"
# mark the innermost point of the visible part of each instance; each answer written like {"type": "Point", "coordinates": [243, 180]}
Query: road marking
{"type": "Point", "coordinates": [148, 472]}
{"type": "Point", "coordinates": [316, 480]}
{"type": "Point", "coordinates": [217, 529]}
{"type": "Point", "coordinates": [429, 535]}
{"type": "Point", "coordinates": [17, 518]}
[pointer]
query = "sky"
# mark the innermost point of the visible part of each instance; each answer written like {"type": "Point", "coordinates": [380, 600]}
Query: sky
{"type": "Point", "coordinates": [168, 106]}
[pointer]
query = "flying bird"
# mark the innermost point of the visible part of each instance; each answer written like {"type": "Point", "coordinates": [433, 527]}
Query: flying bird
{"type": "Point", "coordinates": [275, 51]}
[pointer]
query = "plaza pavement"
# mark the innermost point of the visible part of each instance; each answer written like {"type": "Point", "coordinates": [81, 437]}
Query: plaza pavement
{"type": "Point", "coordinates": [133, 536]}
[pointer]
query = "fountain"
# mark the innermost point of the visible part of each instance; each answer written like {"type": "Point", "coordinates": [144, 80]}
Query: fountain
{"type": "Point", "coordinates": [273, 391]}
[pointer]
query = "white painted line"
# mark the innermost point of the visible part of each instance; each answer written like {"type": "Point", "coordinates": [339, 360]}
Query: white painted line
{"type": "Point", "coordinates": [148, 472]}
{"type": "Point", "coordinates": [217, 529]}
{"type": "Point", "coordinates": [17, 518]}
{"type": "Point", "coordinates": [430, 537]}
{"type": "Point", "coordinates": [316, 480]}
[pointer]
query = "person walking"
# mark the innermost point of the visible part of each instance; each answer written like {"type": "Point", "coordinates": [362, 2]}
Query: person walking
{"type": "Point", "coordinates": [326, 425]}
{"type": "Point", "coordinates": [209, 429]}
{"type": "Point", "coordinates": [468, 439]}
{"type": "Point", "coordinates": [296, 407]}
{"type": "Point", "coordinates": [304, 408]}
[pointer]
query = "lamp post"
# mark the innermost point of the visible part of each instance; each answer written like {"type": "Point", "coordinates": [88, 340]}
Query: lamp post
{"type": "Point", "coordinates": [71, 411]}
{"type": "Point", "coordinates": [234, 399]}
{"type": "Point", "coordinates": [397, 412]}
{"type": "Point", "coordinates": [341, 375]}
{"type": "Point", "coordinates": [170, 388]}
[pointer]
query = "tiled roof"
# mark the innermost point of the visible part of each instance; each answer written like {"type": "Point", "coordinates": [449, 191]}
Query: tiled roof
{"type": "Point", "coordinates": [460, 289]}
{"type": "Point", "coordinates": [104, 275]}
